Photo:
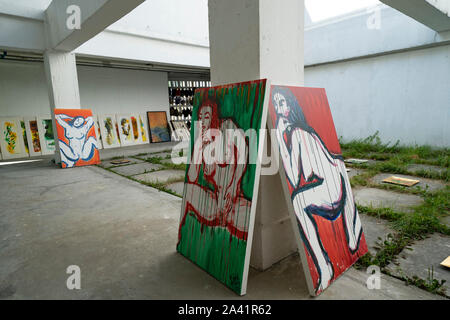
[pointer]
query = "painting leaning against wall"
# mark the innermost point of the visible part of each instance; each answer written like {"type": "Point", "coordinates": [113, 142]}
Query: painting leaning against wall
{"type": "Point", "coordinates": [46, 135]}
{"type": "Point", "coordinates": [158, 126]}
{"type": "Point", "coordinates": [76, 137]}
{"type": "Point", "coordinates": [125, 130]}
{"type": "Point", "coordinates": [109, 131]}
{"type": "Point", "coordinates": [220, 194]}
{"type": "Point", "coordinates": [12, 142]}
{"type": "Point", "coordinates": [143, 129]}
{"type": "Point", "coordinates": [328, 227]}
{"type": "Point", "coordinates": [32, 131]}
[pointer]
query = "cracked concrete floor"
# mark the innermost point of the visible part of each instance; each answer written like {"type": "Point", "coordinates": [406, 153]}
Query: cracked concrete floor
{"type": "Point", "coordinates": [122, 235]}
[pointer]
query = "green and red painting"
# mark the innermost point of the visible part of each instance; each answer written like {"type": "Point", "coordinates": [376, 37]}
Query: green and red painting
{"type": "Point", "coordinates": [222, 180]}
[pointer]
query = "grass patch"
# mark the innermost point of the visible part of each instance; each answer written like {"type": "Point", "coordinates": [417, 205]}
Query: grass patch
{"type": "Point", "coordinates": [430, 284]}
{"type": "Point", "coordinates": [157, 185]}
{"type": "Point", "coordinates": [409, 227]}
{"type": "Point", "coordinates": [167, 165]}
{"type": "Point", "coordinates": [373, 148]}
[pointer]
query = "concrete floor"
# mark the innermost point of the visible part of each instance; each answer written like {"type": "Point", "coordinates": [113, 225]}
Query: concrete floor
{"type": "Point", "coordinates": [122, 235]}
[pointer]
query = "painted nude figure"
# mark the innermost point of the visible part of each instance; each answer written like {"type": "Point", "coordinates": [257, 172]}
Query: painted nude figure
{"type": "Point", "coordinates": [76, 131]}
{"type": "Point", "coordinates": [318, 179]}
{"type": "Point", "coordinates": [220, 202]}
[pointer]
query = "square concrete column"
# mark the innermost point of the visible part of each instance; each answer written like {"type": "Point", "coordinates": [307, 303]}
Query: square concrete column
{"type": "Point", "coordinates": [62, 85]}
{"type": "Point", "coordinates": [255, 39]}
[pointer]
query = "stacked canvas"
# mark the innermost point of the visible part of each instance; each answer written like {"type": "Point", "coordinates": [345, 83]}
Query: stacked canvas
{"type": "Point", "coordinates": [111, 131]}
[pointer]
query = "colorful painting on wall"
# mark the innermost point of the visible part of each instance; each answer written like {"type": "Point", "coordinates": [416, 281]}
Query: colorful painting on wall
{"type": "Point", "coordinates": [46, 135]}
{"type": "Point", "coordinates": [137, 135]}
{"type": "Point", "coordinates": [143, 125]}
{"type": "Point", "coordinates": [125, 130]}
{"type": "Point", "coordinates": [34, 144]}
{"type": "Point", "coordinates": [159, 127]}
{"type": "Point", "coordinates": [220, 193]}
{"type": "Point", "coordinates": [12, 142]}
{"type": "Point", "coordinates": [76, 137]}
{"type": "Point", "coordinates": [98, 132]}
{"type": "Point", "coordinates": [108, 129]}
{"type": "Point", "coordinates": [329, 231]}
{"type": "Point", "coordinates": [24, 135]}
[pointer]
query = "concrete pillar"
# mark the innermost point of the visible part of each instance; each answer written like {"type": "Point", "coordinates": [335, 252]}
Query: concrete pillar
{"type": "Point", "coordinates": [254, 39]}
{"type": "Point", "coordinates": [62, 84]}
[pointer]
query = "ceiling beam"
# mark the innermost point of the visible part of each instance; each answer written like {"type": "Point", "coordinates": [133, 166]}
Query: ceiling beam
{"type": "Point", "coordinates": [95, 16]}
{"type": "Point", "coordinates": [432, 13]}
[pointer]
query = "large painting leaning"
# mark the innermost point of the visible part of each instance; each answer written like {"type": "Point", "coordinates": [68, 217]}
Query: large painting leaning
{"type": "Point", "coordinates": [76, 137]}
{"type": "Point", "coordinates": [220, 193]}
{"type": "Point", "coordinates": [330, 235]}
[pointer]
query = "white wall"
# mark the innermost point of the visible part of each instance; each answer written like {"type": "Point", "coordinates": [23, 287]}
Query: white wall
{"type": "Point", "coordinates": [405, 96]}
{"type": "Point", "coordinates": [23, 90]}
{"type": "Point", "coordinates": [122, 91]}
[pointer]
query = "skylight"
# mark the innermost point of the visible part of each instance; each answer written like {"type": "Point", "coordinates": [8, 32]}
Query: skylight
{"type": "Point", "coordinates": [320, 10]}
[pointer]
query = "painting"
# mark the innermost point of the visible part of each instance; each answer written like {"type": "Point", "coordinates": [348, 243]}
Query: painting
{"type": "Point", "coordinates": [327, 224]}
{"type": "Point", "coordinates": [181, 131]}
{"type": "Point", "coordinates": [32, 131]}
{"type": "Point", "coordinates": [143, 125]}
{"type": "Point", "coordinates": [46, 135]}
{"type": "Point", "coordinates": [159, 127]}
{"type": "Point", "coordinates": [24, 135]}
{"type": "Point", "coordinates": [109, 131]}
{"type": "Point", "coordinates": [98, 133]}
{"type": "Point", "coordinates": [221, 188]}
{"type": "Point", "coordinates": [77, 139]}
{"type": "Point", "coordinates": [12, 142]}
{"type": "Point", "coordinates": [125, 128]}
{"type": "Point", "coordinates": [137, 135]}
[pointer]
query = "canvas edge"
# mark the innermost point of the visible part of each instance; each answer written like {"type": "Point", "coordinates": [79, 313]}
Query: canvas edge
{"type": "Point", "coordinates": [262, 137]}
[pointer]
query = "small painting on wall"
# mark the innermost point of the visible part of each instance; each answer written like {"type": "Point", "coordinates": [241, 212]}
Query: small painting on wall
{"type": "Point", "coordinates": [144, 128]}
{"type": "Point", "coordinates": [12, 143]}
{"type": "Point", "coordinates": [159, 127]}
{"type": "Point", "coordinates": [46, 135]}
{"type": "Point", "coordinates": [31, 128]}
{"type": "Point", "coordinates": [108, 128]}
{"type": "Point", "coordinates": [125, 130]}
